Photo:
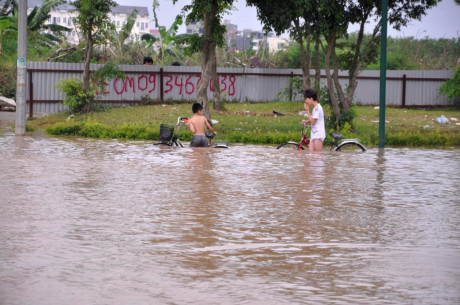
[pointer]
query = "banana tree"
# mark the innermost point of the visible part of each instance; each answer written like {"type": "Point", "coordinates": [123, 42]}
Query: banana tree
{"type": "Point", "coordinates": [169, 41]}
{"type": "Point", "coordinates": [39, 31]}
{"type": "Point", "coordinates": [119, 38]}
{"type": "Point", "coordinates": [36, 22]}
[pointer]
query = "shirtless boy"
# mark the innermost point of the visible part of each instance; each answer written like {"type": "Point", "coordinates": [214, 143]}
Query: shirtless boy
{"type": "Point", "coordinates": [197, 126]}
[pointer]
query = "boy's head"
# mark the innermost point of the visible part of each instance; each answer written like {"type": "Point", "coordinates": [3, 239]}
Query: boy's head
{"type": "Point", "coordinates": [309, 93]}
{"type": "Point", "coordinates": [197, 107]}
{"type": "Point", "coordinates": [148, 60]}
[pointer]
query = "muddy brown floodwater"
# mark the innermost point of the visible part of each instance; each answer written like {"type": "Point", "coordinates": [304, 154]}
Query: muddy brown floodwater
{"type": "Point", "coordinates": [86, 221]}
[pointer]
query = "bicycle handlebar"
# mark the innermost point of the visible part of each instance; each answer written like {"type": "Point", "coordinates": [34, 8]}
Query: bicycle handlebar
{"type": "Point", "coordinates": [181, 118]}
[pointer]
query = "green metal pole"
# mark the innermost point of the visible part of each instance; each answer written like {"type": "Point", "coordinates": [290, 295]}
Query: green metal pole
{"type": "Point", "coordinates": [383, 73]}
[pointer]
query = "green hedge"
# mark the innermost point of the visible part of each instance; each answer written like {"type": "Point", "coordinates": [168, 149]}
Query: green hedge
{"type": "Point", "coordinates": [139, 131]}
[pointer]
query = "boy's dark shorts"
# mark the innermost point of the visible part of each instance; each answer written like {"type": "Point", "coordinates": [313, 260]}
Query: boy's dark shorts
{"type": "Point", "coordinates": [199, 141]}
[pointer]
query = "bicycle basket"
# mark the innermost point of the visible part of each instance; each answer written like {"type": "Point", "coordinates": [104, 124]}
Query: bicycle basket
{"type": "Point", "coordinates": [166, 132]}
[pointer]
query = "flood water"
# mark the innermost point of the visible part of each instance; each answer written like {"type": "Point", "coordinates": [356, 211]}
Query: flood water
{"type": "Point", "coordinates": [85, 221]}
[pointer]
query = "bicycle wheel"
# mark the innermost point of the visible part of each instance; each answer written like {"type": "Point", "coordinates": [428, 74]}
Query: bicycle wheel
{"type": "Point", "coordinates": [351, 147]}
{"type": "Point", "coordinates": [290, 145]}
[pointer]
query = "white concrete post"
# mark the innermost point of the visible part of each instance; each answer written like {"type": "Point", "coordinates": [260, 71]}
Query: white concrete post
{"type": "Point", "coordinates": [21, 69]}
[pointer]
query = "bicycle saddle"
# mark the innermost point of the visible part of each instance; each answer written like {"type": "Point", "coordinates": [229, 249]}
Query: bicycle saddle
{"type": "Point", "coordinates": [335, 135]}
{"type": "Point", "coordinates": [209, 135]}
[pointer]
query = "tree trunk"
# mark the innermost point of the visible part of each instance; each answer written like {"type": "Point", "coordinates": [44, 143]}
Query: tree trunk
{"type": "Point", "coordinates": [317, 64]}
{"type": "Point", "coordinates": [88, 54]}
{"type": "Point", "coordinates": [86, 72]}
{"type": "Point", "coordinates": [358, 60]}
{"type": "Point", "coordinates": [215, 83]}
{"type": "Point", "coordinates": [304, 59]}
{"type": "Point", "coordinates": [330, 85]}
{"type": "Point", "coordinates": [207, 53]}
{"type": "Point", "coordinates": [335, 77]}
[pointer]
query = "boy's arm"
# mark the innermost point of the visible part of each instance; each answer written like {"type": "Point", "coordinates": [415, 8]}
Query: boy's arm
{"type": "Point", "coordinates": [210, 127]}
{"type": "Point", "coordinates": [310, 118]}
{"type": "Point", "coordinates": [307, 109]}
{"type": "Point", "coordinates": [190, 126]}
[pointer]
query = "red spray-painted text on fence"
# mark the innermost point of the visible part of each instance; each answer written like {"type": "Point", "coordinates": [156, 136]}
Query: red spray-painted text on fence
{"type": "Point", "coordinates": [181, 83]}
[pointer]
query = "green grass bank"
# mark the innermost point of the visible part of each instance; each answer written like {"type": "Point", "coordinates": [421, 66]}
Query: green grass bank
{"type": "Point", "coordinates": [255, 123]}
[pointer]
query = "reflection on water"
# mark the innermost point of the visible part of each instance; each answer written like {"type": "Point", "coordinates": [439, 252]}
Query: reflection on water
{"type": "Point", "coordinates": [88, 221]}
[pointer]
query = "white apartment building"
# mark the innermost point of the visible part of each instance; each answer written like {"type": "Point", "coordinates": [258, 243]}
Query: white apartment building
{"type": "Point", "coordinates": [277, 43]}
{"type": "Point", "coordinates": [63, 14]}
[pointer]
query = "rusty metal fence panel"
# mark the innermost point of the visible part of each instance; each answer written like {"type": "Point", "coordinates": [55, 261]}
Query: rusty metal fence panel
{"type": "Point", "coordinates": [179, 83]}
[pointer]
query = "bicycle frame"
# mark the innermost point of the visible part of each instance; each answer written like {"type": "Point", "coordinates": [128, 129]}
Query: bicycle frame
{"type": "Point", "coordinates": [337, 143]}
{"type": "Point", "coordinates": [305, 139]}
{"type": "Point", "coordinates": [182, 120]}
{"type": "Point", "coordinates": [175, 139]}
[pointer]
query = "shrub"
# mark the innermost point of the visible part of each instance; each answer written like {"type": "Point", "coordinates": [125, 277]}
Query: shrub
{"type": "Point", "coordinates": [135, 131]}
{"type": "Point", "coordinates": [294, 89]}
{"type": "Point", "coordinates": [95, 130]}
{"type": "Point", "coordinates": [451, 88]}
{"type": "Point", "coordinates": [74, 93]}
{"type": "Point", "coordinates": [65, 129]}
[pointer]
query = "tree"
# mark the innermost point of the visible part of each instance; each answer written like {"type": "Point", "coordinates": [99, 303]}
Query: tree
{"type": "Point", "coordinates": [330, 19]}
{"type": "Point", "coordinates": [337, 16]}
{"type": "Point", "coordinates": [119, 38]}
{"type": "Point", "coordinates": [451, 88]}
{"type": "Point", "coordinates": [94, 23]}
{"type": "Point", "coordinates": [211, 12]}
{"type": "Point", "coordinates": [297, 17]}
{"type": "Point", "coordinates": [6, 27]}
{"type": "Point", "coordinates": [8, 8]}
{"type": "Point", "coordinates": [168, 40]}
{"type": "Point", "coordinates": [39, 31]}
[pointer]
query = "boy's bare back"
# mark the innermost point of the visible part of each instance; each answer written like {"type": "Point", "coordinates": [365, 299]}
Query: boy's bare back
{"type": "Point", "coordinates": [197, 125]}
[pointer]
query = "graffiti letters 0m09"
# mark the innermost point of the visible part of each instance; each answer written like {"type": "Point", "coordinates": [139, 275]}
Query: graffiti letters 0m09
{"type": "Point", "coordinates": [182, 84]}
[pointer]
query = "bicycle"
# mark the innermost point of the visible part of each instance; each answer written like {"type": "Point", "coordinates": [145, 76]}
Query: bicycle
{"type": "Point", "coordinates": [169, 135]}
{"type": "Point", "coordinates": [337, 142]}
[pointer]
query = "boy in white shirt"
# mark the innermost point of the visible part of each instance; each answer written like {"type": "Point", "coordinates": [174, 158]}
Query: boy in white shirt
{"type": "Point", "coordinates": [316, 119]}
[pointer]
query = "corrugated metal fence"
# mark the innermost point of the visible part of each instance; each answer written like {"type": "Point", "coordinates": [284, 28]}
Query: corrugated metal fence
{"type": "Point", "coordinates": [171, 83]}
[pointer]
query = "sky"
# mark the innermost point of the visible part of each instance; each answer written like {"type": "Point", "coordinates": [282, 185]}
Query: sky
{"type": "Point", "coordinates": [443, 21]}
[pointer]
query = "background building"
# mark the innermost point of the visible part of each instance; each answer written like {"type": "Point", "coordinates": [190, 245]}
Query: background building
{"type": "Point", "coordinates": [63, 14]}
{"type": "Point", "coordinates": [249, 39]}
{"type": "Point", "coordinates": [195, 27]}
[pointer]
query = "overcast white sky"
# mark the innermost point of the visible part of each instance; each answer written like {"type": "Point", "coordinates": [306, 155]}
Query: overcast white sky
{"type": "Point", "coordinates": [443, 21]}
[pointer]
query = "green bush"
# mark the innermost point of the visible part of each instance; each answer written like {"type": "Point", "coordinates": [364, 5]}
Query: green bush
{"type": "Point", "coordinates": [64, 129]}
{"type": "Point", "coordinates": [135, 131]}
{"type": "Point", "coordinates": [451, 88]}
{"type": "Point", "coordinates": [413, 139]}
{"type": "Point", "coordinates": [74, 93]}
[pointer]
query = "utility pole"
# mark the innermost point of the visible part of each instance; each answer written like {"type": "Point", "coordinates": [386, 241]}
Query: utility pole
{"type": "Point", "coordinates": [21, 69]}
{"type": "Point", "coordinates": [383, 73]}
